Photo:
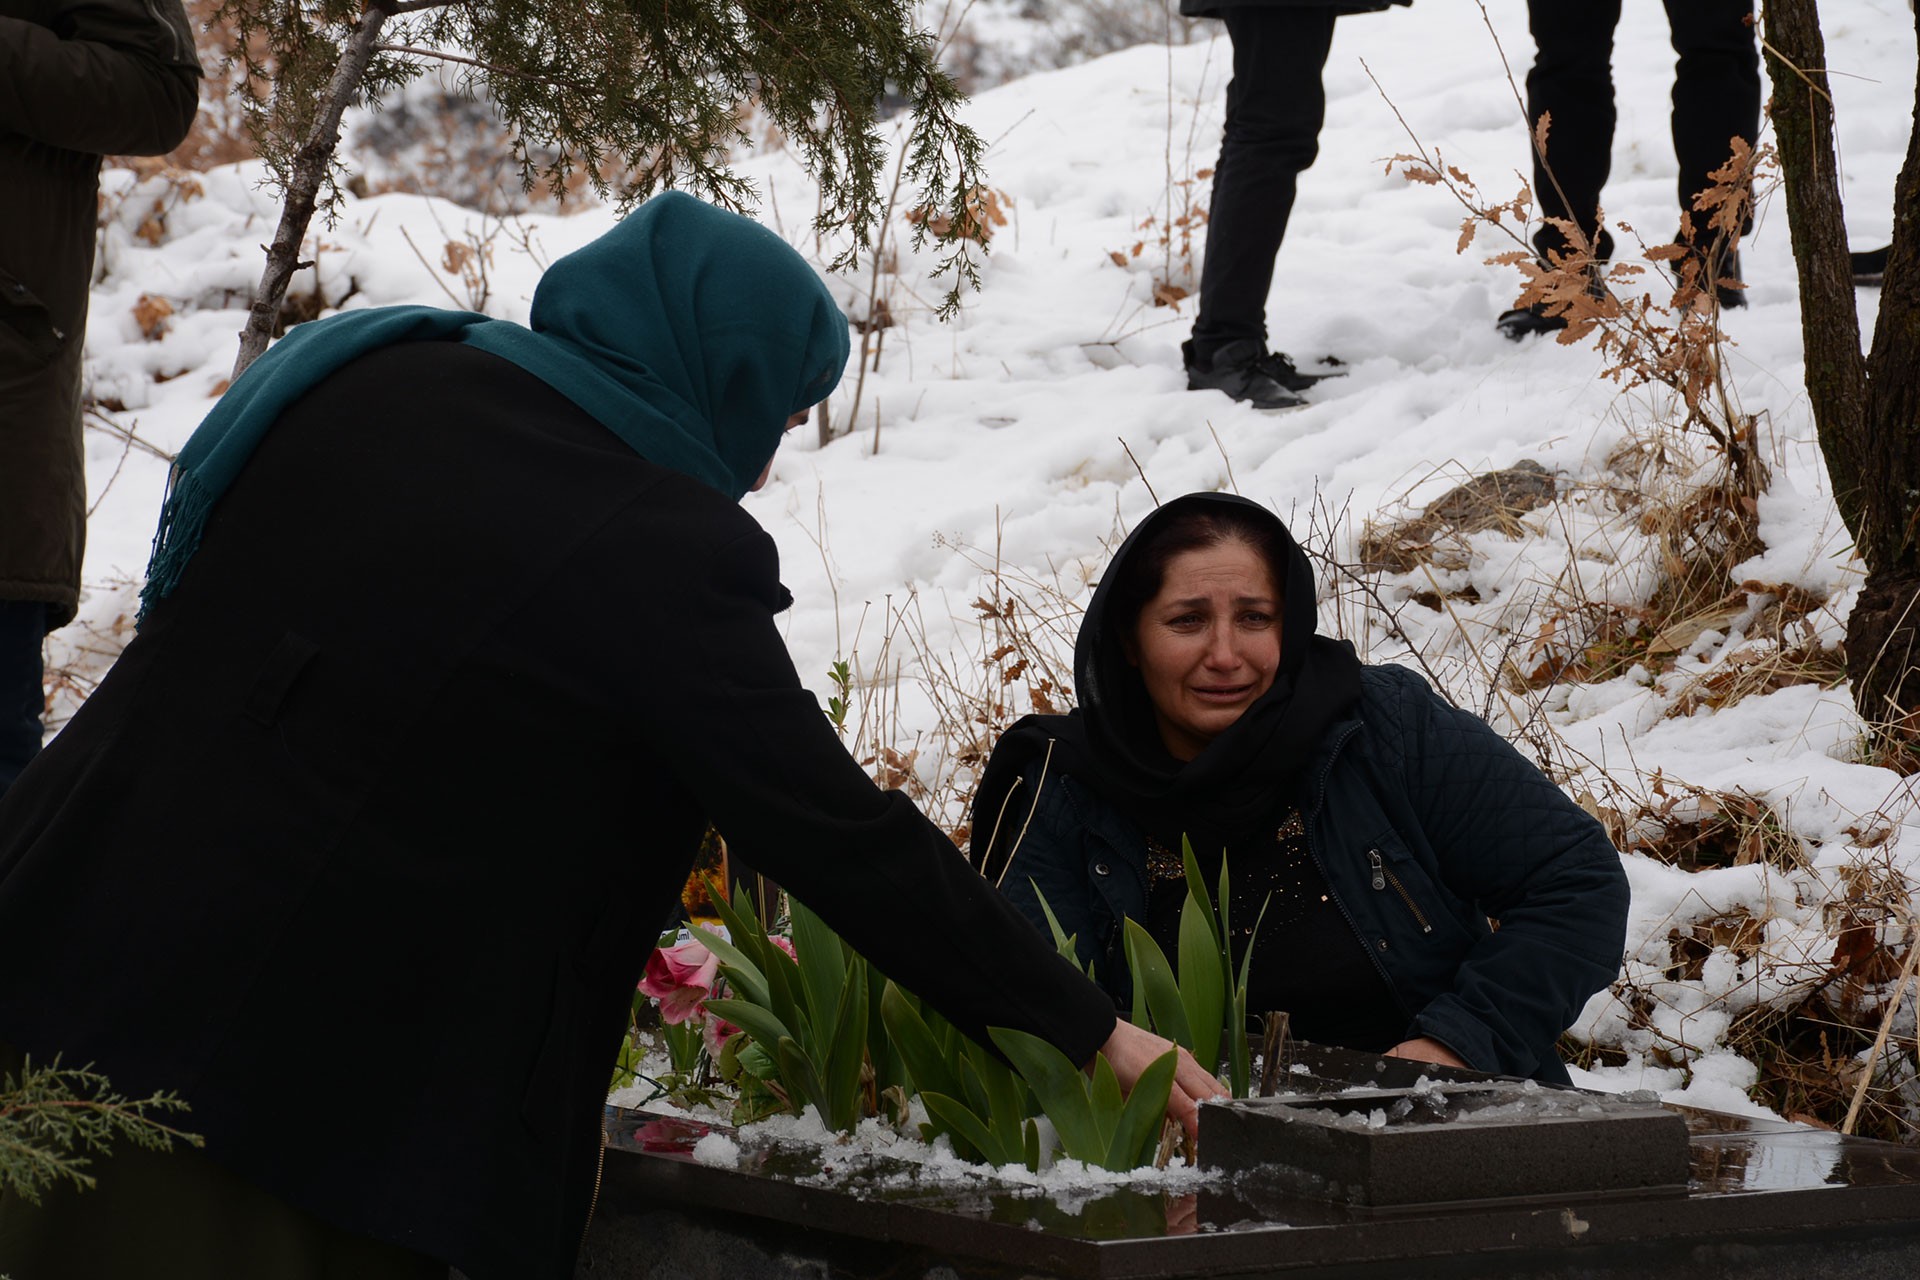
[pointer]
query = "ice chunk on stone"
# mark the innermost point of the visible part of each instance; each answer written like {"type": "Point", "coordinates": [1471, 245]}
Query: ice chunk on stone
{"type": "Point", "coordinates": [717, 1149]}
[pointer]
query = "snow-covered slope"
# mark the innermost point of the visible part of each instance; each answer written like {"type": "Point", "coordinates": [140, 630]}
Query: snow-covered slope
{"type": "Point", "coordinates": [1036, 427]}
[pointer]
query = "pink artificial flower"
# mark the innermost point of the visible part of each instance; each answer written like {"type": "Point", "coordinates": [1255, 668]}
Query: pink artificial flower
{"type": "Point", "coordinates": [681, 978]}
{"type": "Point", "coordinates": [714, 1032]}
{"type": "Point", "coordinates": [680, 1136]}
{"type": "Point", "coordinates": [785, 944]}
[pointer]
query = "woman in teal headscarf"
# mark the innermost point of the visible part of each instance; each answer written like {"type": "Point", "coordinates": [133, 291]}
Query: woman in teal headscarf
{"type": "Point", "coordinates": [456, 639]}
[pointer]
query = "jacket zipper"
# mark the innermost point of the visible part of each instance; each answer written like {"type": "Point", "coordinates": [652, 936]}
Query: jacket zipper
{"type": "Point", "coordinates": [599, 1171]}
{"type": "Point", "coordinates": [1383, 877]}
{"type": "Point", "coordinates": [1319, 798]}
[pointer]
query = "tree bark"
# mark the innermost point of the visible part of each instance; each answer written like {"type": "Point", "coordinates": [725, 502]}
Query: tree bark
{"type": "Point", "coordinates": [1883, 633]}
{"type": "Point", "coordinates": [1893, 370]}
{"type": "Point", "coordinates": [1866, 409]}
{"type": "Point", "coordinates": [1883, 642]}
{"type": "Point", "coordinates": [310, 166]}
{"type": "Point", "coordinates": [1829, 326]}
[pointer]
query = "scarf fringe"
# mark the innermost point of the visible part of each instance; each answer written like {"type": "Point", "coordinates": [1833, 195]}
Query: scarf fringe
{"type": "Point", "coordinates": [183, 516]}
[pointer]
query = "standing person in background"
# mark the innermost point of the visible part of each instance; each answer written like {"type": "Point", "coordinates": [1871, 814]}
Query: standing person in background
{"type": "Point", "coordinates": [1275, 106]}
{"type": "Point", "coordinates": [1716, 98]}
{"type": "Point", "coordinates": [79, 79]}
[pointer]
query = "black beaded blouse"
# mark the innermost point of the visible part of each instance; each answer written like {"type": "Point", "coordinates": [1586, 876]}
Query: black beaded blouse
{"type": "Point", "coordinates": [1307, 959]}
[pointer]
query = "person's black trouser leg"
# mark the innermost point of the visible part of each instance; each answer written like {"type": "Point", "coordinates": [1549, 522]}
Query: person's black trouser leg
{"type": "Point", "coordinates": [1572, 81]}
{"type": "Point", "coordinates": [1716, 91]}
{"type": "Point", "coordinates": [23, 628]}
{"type": "Point", "coordinates": [1275, 106]}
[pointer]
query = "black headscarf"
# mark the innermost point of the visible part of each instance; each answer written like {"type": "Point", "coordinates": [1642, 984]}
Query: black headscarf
{"type": "Point", "coordinates": [1111, 741]}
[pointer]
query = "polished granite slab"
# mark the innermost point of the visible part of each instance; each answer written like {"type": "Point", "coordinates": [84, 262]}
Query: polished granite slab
{"type": "Point", "coordinates": [1450, 1143]}
{"type": "Point", "coordinates": [1760, 1199]}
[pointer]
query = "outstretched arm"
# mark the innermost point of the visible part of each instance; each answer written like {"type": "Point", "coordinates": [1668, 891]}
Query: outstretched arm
{"type": "Point", "coordinates": [754, 747]}
{"type": "Point", "coordinates": [1131, 1050]}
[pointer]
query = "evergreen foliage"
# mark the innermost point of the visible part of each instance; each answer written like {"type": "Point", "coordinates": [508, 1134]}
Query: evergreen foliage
{"type": "Point", "coordinates": [53, 1118]}
{"type": "Point", "coordinates": [631, 95]}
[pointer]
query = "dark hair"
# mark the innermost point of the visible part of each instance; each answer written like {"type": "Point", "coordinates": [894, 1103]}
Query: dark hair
{"type": "Point", "coordinates": [1143, 572]}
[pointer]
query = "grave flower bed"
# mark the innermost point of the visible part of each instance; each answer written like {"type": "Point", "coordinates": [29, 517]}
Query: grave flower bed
{"type": "Point", "coordinates": [789, 1034]}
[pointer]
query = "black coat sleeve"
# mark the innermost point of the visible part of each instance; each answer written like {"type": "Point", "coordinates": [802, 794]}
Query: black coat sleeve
{"type": "Point", "coordinates": [107, 77]}
{"type": "Point", "coordinates": [755, 748]}
{"type": "Point", "coordinates": [1510, 841]}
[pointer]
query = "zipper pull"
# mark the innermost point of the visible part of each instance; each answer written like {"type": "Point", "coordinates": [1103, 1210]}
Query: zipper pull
{"type": "Point", "coordinates": [1379, 872]}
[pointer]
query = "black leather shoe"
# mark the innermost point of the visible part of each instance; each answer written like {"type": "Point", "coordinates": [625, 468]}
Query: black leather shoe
{"type": "Point", "coordinates": [1524, 322]}
{"type": "Point", "coordinates": [1278, 366]}
{"type": "Point", "coordinates": [1241, 369]}
{"type": "Point", "coordinates": [1869, 268]}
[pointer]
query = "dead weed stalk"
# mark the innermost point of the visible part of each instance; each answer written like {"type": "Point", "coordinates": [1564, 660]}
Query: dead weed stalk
{"type": "Point", "coordinates": [1168, 233]}
{"type": "Point", "coordinates": [1010, 653]}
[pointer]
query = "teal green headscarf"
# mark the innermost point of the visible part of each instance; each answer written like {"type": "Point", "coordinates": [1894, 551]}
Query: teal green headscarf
{"type": "Point", "coordinates": [691, 333]}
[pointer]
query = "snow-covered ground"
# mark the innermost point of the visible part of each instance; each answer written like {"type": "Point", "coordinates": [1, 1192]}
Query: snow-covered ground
{"type": "Point", "coordinates": [1035, 428]}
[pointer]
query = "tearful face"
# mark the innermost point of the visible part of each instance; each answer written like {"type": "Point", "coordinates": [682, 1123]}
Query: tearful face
{"type": "Point", "coordinates": [1208, 644]}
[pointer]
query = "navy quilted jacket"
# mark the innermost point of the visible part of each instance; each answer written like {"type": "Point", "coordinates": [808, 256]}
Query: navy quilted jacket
{"type": "Point", "coordinates": [1425, 823]}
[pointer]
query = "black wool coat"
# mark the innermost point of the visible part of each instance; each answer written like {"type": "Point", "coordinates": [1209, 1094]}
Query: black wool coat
{"type": "Point", "coordinates": [363, 843]}
{"type": "Point", "coordinates": [78, 79]}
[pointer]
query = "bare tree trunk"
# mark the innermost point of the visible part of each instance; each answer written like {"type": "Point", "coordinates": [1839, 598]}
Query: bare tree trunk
{"type": "Point", "coordinates": [1883, 633]}
{"type": "Point", "coordinates": [309, 170]}
{"type": "Point", "coordinates": [1829, 325]}
{"type": "Point", "coordinates": [1893, 367]}
{"type": "Point", "coordinates": [1866, 409]}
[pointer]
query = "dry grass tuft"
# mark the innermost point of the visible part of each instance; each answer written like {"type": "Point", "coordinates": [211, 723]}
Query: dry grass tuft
{"type": "Point", "coordinates": [1493, 501]}
{"type": "Point", "coordinates": [1011, 655]}
{"type": "Point", "coordinates": [1844, 1058]}
{"type": "Point", "coordinates": [1697, 828]}
{"type": "Point", "coordinates": [78, 656]}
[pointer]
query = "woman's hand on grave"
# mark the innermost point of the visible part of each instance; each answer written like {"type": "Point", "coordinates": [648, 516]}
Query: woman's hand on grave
{"type": "Point", "coordinates": [1426, 1050]}
{"type": "Point", "coordinates": [1130, 1050]}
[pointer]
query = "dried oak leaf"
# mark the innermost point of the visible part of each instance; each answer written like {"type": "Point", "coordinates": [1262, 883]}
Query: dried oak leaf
{"type": "Point", "coordinates": [151, 313]}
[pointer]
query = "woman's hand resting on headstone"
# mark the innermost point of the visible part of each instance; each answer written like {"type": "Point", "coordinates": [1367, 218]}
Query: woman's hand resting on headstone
{"type": "Point", "coordinates": [1426, 1050]}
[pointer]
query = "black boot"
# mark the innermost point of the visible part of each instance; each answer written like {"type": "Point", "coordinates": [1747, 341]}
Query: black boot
{"type": "Point", "coordinates": [1524, 322]}
{"type": "Point", "coordinates": [1246, 372]}
{"type": "Point", "coordinates": [1719, 270]}
{"type": "Point", "coordinates": [1726, 271]}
